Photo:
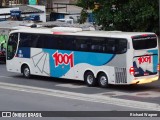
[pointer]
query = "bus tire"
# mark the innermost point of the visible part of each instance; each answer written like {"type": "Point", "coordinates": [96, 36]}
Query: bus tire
{"type": "Point", "coordinates": [103, 80]}
{"type": "Point", "coordinates": [89, 79]}
{"type": "Point", "coordinates": [26, 71]}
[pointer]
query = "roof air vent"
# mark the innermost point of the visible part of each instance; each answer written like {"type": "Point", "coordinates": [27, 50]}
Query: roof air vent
{"type": "Point", "coordinates": [66, 29]}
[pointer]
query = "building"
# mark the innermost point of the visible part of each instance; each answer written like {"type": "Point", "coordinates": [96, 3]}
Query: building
{"type": "Point", "coordinates": [63, 9]}
{"type": "Point", "coordinates": [47, 3]}
{"type": "Point", "coordinates": [55, 9]}
{"type": "Point", "coordinates": [25, 11]}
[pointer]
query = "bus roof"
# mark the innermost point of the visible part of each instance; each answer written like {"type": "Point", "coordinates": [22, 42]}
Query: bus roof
{"type": "Point", "coordinates": [115, 34]}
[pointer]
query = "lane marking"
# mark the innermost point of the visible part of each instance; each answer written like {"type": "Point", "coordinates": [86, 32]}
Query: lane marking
{"type": "Point", "coordinates": [146, 94]}
{"type": "Point", "coordinates": [5, 77]}
{"type": "Point", "coordinates": [83, 97]}
{"type": "Point", "coordinates": [70, 86]}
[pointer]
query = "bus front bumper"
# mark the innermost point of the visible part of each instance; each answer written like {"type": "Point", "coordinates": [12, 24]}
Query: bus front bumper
{"type": "Point", "coordinates": [141, 80]}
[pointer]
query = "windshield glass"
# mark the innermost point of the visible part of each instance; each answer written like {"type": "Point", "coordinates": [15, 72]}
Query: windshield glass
{"type": "Point", "coordinates": [144, 42]}
{"type": "Point", "coordinates": [12, 46]}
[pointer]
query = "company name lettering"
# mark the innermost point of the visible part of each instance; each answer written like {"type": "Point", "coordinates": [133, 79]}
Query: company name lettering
{"type": "Point", "coordinates": [65, 59]}
{"type": "Point", "coordinates": [144, 59]}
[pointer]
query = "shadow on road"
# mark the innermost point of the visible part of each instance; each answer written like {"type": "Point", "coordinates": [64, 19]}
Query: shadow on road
{"type": "Point", "coordinates": [155, 86]}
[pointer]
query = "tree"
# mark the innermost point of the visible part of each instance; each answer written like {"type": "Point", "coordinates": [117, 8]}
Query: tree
{"type": "Point", "coordinates": [0, 3]}
{"type": "Point", "coordinates": [124, 15]}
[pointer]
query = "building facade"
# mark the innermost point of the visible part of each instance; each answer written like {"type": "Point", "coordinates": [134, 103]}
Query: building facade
{"type": "Point", "coordinates": [47, 3]}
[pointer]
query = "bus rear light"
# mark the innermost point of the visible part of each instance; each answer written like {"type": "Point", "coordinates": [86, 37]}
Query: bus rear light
{"type": "Point", "coordinates": [144, 35]}
{"type": "Point", "coordinates": [58, 33]}
{"type": "Point", "coordinates": [131, 70]}
{"type": "Point", "coordinates": [158, 67]}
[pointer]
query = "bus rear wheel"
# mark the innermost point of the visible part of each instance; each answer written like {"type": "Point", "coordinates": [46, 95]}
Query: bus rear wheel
{"type": "Point", "coordinates": [103, 80]}
{"type": "Point", "coordinates": [89, 79]}
{"type": "Point", "coordinates": [26, 71]}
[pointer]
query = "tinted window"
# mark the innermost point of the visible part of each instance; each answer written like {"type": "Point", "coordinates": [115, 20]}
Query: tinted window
{"type": "Point", "coordinates": [28, 40]}
{"type": "Point", "coordinates": [12, 46]}
{"type": "Point", "coordinates": [64, 42]}
{"type": "Point", "coordinates": [36, 40]}
{"type": "Point", "coordinates": [55, 42]}
{"type": "Point", "coordinates": [102, 45]}
{"type": "Point", "coordinates": [82, 43]}
{"type": "Point", "coordinates": [77, 43]}
{"type": "Point", "coordinates": [121, 46]}
{"type": "Point", "coordinates": [98, 44]}
{"type": "Point", "coordinates": [147, 42]}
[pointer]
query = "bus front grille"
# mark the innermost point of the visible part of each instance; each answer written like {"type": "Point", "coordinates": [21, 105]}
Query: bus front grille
{"type": "Point", "coordinates": [120, 75]}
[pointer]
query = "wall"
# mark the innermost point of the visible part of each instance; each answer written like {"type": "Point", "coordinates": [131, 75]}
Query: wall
{"type": "Point", "coordinates": [42, 15]}
{"type": "Point", "coordinates": [6, 10]}
{"type": "Point", "coordinates": [75, 17]}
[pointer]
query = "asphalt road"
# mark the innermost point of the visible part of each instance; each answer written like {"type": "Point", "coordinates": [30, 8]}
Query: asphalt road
{"type": "Point", "coordinates": [49, 94]}
{"type": "Point", "coordinates": [11, 100]}
{"type": "Point", "coordinates": [145, 93]}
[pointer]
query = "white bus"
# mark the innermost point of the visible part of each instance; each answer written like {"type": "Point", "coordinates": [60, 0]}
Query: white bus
{"type": "Point", "coordinates": [96, 57]}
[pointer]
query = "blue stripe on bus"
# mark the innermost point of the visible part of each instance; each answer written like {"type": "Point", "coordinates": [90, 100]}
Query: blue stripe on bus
{"type": "Point", "coordinates": [155, 59]}
{"type": "Point", "coordinates": [24, 52]}
{"type": "Point", "coordinates": [95, 59]}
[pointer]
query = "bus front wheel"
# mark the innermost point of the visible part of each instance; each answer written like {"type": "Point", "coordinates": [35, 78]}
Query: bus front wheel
{"type": "Point", "coordinates": [89, 79]}
{"type": "Point", "coordinates": [26, 71]}
{"type": "Point", "coordinates": [103, 80]}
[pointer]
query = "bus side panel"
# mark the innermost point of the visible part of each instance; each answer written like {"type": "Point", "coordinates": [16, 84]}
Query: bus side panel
{"type": "Point", "coordinates": [73, 64]}
{"type": "Point", "coordinates": [13, 65]}
{"type": "Point", "coordinates": [40, 62]}
{"type": "Point", "coordinates": [35, 58]}
{"type": "Point", "coordinates": [81, 68]}
{"type": "Point", "coordinates": [119, 65]}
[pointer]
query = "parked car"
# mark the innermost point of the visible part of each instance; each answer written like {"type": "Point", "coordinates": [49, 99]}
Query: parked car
{"type": "Point", "coordinates": [2, 54]}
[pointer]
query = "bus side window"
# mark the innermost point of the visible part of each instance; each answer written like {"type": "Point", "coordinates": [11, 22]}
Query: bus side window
{"type": "Point", "coordinates": [122, 46]}
{"type": "Point", "coordinates": [12, 45]}
{"type": "Point", "coordinates": [68, 43]}
{"type": "Point", "coordinates": [83, 46]}
{"type": "Point", "coordinates": [110, 45]}
{"type": "Point", "coordinates": [56, 42]}
{"type": "Point", "coordinates": [103, 48]}
{"type": "Point", "coordinates": [97, 44]}
{"type": "Point", "coordinates": [28, 40]}
{"type": "Point", "coordinates": [34, 40]}
{"type": "Point", "coordinates": [41, 41]}
{"type": "Point", "coordinates": [116, 45]}
{"type": "Point", "coordinates": [96, 48]}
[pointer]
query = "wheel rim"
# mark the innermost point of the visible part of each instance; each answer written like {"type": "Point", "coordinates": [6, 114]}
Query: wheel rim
{"type": "Point", "coordinates": [26, 72]}
{"type": "Point", "coordinates": [103, 80]}
{"type": "Point", "coordinates": [90, 79]}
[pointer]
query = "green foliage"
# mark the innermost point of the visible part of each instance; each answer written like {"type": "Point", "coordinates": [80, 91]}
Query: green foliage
{"type": "Point", "coordinates": [124, 15]}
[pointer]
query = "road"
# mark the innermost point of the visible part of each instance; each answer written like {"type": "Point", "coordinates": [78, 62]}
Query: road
{"type": "Point", "coordinates": [48, 94]}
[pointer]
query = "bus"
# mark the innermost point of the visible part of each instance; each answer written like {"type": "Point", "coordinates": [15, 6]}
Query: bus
{"type": "Point", "coordinates": [96, 57]}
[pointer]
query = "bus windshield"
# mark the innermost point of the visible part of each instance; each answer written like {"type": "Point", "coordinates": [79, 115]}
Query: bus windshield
{"type": "Point", "coordinates": [144, 42]}
{"type": "Point", "coordinates": [12, 46]}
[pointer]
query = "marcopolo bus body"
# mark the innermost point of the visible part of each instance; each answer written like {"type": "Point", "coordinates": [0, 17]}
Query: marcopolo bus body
{"type": "Point", "coordinates": [101, 57]}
